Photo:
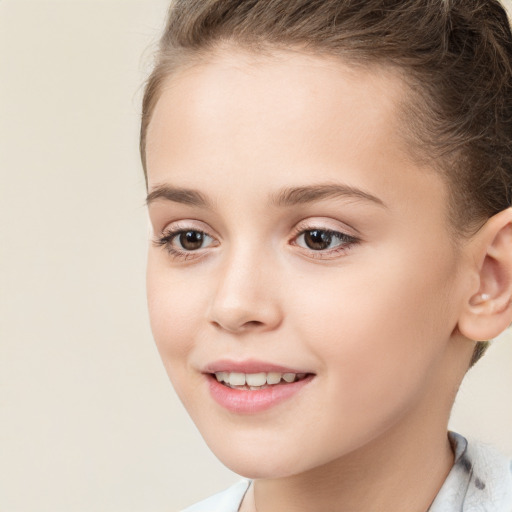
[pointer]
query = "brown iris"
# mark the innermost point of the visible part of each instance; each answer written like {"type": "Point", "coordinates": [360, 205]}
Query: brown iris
{"type": "Point", "coordinates": [191, 240]}
{"type": "Point", "coordinates": [317, 239]}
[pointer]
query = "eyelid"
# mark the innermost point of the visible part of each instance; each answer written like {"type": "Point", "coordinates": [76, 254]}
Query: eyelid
{"type": "Point", "coordinates": [347, 239]}
{"type": "Point", "coordinates": [346, 236]}
{"type": "Point", "coordinates": [173, 229]}
{"type": "Point", "coordinates": [326, 224]}
{"type": "Point", "coordinates": [189, 225]}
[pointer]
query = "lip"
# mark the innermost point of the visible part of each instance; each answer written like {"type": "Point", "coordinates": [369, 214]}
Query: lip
{"type": "Point", "coordinates": [242, 401]}
{"type": "Point", "coordinates": [248, 366]}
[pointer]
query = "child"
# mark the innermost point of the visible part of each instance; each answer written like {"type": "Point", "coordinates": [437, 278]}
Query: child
{"type": "Point", "coordinates": [329, 188]}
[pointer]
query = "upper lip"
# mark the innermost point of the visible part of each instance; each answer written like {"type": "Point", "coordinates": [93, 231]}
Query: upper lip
{"type": "Point", "coordinates": [248, 366]}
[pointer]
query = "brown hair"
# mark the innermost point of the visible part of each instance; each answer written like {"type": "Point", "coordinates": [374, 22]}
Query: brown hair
{"type": "Point", "coordinates": [455, 56]}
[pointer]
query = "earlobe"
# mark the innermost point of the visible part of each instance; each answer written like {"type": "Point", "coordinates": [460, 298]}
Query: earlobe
{"type": "Point", "coordinates": [488, 311]}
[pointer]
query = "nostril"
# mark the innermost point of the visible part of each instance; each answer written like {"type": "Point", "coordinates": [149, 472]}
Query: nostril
{"type": "Point", "coordinates": [252, 323]}
{"type": "Point", "coordinates": [245, 326]}
{"type": "Point", "coordinates": [235, 316]}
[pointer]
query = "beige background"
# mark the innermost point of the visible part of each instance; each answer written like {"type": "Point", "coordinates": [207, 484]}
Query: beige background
{"type": "Point", "coordinates": [88, 421]}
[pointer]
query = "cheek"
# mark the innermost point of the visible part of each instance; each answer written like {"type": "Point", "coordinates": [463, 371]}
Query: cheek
{"type": "Point", "coordinates": [380, 328]}
{"type": "Point", "coordinates": [174, 306]}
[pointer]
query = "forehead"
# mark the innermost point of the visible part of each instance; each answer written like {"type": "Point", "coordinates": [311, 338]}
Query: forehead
{"type": "Point", "coordinates": [284, 117]}
{"type": "Point", "coordinates": [235, 92]}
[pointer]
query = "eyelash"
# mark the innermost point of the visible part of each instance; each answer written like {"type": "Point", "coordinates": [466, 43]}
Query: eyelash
{"type": "Point", "coordinates": [346, 243]}
{"type": "Point", "coordinates": [169, 235]}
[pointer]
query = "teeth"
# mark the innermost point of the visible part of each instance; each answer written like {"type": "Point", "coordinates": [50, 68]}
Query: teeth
{"type": "Point", "coordinates": [237, 379]}
{"type": "Point", "coordinates": [273, 378]}
{"type": "Point", "coordinates": [256, 380]}
{"type": "Point", "coordinates": [222, 376]}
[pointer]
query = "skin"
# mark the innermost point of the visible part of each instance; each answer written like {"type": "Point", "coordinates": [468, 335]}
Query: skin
{"type": "Point", "coordinates": [377, 321]}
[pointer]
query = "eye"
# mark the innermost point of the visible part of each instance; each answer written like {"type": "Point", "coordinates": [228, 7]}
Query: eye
{"type": "Point", "coordinates": [324, 240]}
{"type": "Point", "coordinates": [183, 243]}
{"type": "Point", "coordinates": [191, 240]}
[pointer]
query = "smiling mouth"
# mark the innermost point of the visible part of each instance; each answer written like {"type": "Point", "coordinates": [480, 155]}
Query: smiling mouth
{"type": "Point", "coordinates": [257, 381]}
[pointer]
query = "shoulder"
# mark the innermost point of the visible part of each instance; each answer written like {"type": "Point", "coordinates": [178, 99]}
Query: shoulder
{"type": "Point", "coordinates": [480, 480]}
{"type": "Point", "coordinates": [490, 475]}
{"type": "Point", "coordinates": [225, 501]}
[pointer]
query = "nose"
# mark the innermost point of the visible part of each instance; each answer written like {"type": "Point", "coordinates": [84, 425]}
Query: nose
{"type": "Point", "coordinates": [246, 296]}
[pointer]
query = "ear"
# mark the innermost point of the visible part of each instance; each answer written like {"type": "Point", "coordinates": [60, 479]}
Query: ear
{"type": "Point", "coordinates": [488, 309]}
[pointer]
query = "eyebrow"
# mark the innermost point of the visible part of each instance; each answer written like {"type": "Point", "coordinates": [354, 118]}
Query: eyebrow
{"type": "Point", "coordinates": [178, 195]}
{"type": "Point", "coordinates": [287, 197]}
{"type": "Point", "coordinates": [303, 195]}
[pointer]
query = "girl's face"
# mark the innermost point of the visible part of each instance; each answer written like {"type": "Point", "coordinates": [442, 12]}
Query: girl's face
{"type": "Point", "coordinates": [294, 240]}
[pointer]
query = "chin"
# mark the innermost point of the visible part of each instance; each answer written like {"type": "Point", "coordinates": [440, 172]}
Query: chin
{"type": "Point", "coordinates": [262, 457]}
{"type": "Point", "coordinates": [257, 467]}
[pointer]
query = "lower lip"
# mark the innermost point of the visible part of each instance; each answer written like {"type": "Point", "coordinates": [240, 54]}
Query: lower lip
{"type": "Point", "coordinates": [244, 401]}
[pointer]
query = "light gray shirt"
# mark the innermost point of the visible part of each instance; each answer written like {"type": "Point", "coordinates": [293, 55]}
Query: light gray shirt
{"type": "Point", "coordinates": [479, 481]}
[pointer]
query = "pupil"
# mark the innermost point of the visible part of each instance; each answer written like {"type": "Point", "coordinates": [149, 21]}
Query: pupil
{"type": "Point", "coordinates": [191, 240]}
{"type": "Point", "coordinates": [317, 239]}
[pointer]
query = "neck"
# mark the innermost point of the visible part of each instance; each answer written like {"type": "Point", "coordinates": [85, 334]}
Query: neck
{"type": "Point", "coordinates": [394, 472]}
